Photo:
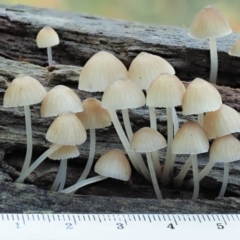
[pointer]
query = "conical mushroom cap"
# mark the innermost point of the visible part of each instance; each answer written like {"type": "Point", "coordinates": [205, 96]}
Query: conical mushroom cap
{"type": "Point", "coordinates": [147, 140]}
{"type": "Point", "coordinates": [64, 152]}
{"type": "Point", "coordinates": [222, 122]}
{"type": "Point", "coordinates": [23, 91]}
{"type": "Point", "coordinates": [209, 23]}
{"type": "Point", "coordinates": [123, 94]}
{"type": "Point", "coordinates": [235, 49]}
{"type": "Point", "coordinates": [100, 71]}
{"type": "Point", "coordinates": [47, 37]}
{"type": "Point", "coordinates": [200, 96]}
{"type": "Point", "coordinates": [165, 91]}
{"type": "Point", "coordinates": [93, 115]}
{"type": "Point", "coordinates": [66, 129]}
{"type": "Point", "coordinates": [190, 139]}
{"type": "Point", "coordinates": [60, 99]}
{"type": "Point", "coordinates": [225, 149]}
{"type": "Point", "coordinates": [113, 164]}
{"type": "Point", "coordinates": [146, 67]}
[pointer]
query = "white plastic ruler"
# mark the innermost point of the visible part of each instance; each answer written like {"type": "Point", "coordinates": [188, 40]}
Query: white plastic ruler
{"type": "Point", "coordinates": [120, 226]}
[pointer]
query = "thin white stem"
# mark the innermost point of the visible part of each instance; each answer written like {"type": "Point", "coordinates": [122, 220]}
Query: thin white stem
{"type": "Point", "coordinates": [153, 176]}
{"type": "Point", "coordinates": [195, 176]}
{"type": "Point", "coordinates": [137, 163]}
{"type": "Point", "coordinates": [28, 123]}
{"type": "Point", "coordinates": [175, 120]}
{"type": "Point", "coordinates": [57, 180]}
{"type": "Point", "coordinates": [200, 119]}
{"type": "Point", "coordinates": [214, 60]}
{"type": "Point", "coordinates": [49, 53]}
{"type": "Point", "coordinates": [127, 124]}
{"type": "Point", "coordinates": [183, 172]}
{"type": "Point", "coordinates": [203, 173]}
{"type": "Point", "coordinates": [63, 175]}
{"type": "Point", "coordinates": [78, 185]}
{"type": "Point", "coordinates": [155, 155]}
{"type": "Point", "coordinates": [51, 150]}
{"type": "Point", "coordinates": [225, 180]}
{"type": "Point", "coordinates": [168, 162]}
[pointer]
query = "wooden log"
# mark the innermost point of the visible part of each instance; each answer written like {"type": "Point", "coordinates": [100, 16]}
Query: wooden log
{"type": "Point", "coordinates": [82, 36]}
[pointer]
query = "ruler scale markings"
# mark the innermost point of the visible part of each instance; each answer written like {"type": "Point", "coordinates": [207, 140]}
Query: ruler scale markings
{"type": "Point", "coordinates": [74, 219]}
{"type": "Point", "coordinates": [68, 217]}
{"type": "Point", "coordinates": [183, 218]}
{"type": "Point", "coordinates": [159, 217]}
{"type": "Point", "coordinates": [154, 218]}
{"type": "Point", "coordinates": [94, 218]}
{"type": "Point", "coordinates": [224, 219]}
{"type": "Point", "coordinates": [43, 217]}
{"type": "Point", "coordinates": [84, 218]}
{"type": "Point", "coordinates": [179, 218]}
{"type": "Point", "coordinates": [7, 218]}
{"type": "Point", "coordinates": [169, 218]}
{"type": "Point", "coordinates": [99, 219]}
{"type": "Point", "coordinates": [17, 217]}
{"type": "Point", "coordinates": [218, 218]}
{"type": "Point", "coordinates": [23, 219]}
{"type": "Point", "coordinates": [58, 217]}
{"type": "Point", "coordinates": [12, 217]}
{"type": "Point", "coordinates": [89, 218]}
{"type": "Point", "coordinates": [2, 217]}
{"type": "Point", "coordinates": [164, 218]}
{"type": "Point", "coordinates": [134, 218]}
{"type": "Point", "coordinates": [79, 218]}
{"type": "Point", "coordinates": [175, 220]}
{"type": "Point", "coordinates": [233, 218]}
{"type": "Point", "coordinates": [33, 217]}
{"type": "Point", "coordinates": [237, 217]}
{"type": "Point", "coordinates": [53, 218]}
{"type": "Point", "coordinates": [199, 219]}
{"type": "Point", "coordinates": [228, 218]}
{"type": "Point", "coordinates": [194, 218]}
{"type": "Point", "coordinates": [49, 218]}
{"type": "Point", "coordinates": [124, 219]}
{"type": "Point", "coordinates": [189, 218]}
{"type": "Point", "coordinates": [208, 218]}
{"type": "Point", "coordinates": [139, 217]}
{"type": "Point", "coordinates": [38, 217]}
{"type": "Point", "coordinates": [149, 219]}
{"type": "Point", "coordinates": [144, 218]}
{"type": "Point", "coordinates": [129, 218]}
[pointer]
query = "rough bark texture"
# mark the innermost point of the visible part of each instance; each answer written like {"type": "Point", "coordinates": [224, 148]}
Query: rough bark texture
{"type": "Point", "coordinates": [81, 37]}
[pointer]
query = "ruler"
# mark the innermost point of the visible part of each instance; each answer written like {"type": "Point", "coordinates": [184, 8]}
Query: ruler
{"type": "Point", "coordinates": [120, 226]}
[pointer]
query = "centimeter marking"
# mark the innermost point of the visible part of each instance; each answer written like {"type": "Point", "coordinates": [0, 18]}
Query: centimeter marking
{"type": "Point", "coordinates": [119, 226]}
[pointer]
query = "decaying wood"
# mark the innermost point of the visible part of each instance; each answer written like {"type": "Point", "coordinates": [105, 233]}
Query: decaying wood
{"type": "Point", "coordinates": [82, 36]}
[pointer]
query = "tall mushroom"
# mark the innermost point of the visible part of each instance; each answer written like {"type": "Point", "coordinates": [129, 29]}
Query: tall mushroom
{"type": "Point", "coordinates": [23, 92]}
{"type": "Point", "coordinates": [210, 24]}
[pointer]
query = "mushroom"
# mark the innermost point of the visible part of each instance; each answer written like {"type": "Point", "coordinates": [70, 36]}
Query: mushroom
{"type": "Point", "coordinates": [210, 24]}
{"type": "Point", "coordinates": [112, 164]}
{"type": "Point", "coordinates": [148, 140]}
{"type": "Point", "coordinates": [23, 92]}
{"type": "Point", "coordinates": [61, 134]}
{"type": "Point", "coordinates": [166, 91]}
{"type": "Point", "coordinates": [93, 117]}
{"type": "Point", "coordinates": [235, 49]}
{"type": "Point", "coordinates": [121, 95]}
{"type": "Point", "coordinates": [63, 153]}
{"type": "Point", "coordinates": [191, 139]}
{"type": "Point", "coordinates": [47, 38]}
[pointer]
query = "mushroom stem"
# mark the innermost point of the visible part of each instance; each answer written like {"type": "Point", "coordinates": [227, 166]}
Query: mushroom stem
{"type": "Point", "coordinates": [195, 176]}
{"type": "Point", "coordinates": [183, 172]}
{"type": "Point", "coordinates": [153, 176]}
{"type": "Point", "coordinates": [203, 173]}
{"type": "Point", "coordinates": [78, 185]}
{"type": "Point", "coordinates": [63, 174]}
{"type": "Point", "coordinates": [200, 119]}
{"type": "Point", "coordinates": [49, 53]}
{"type": "Point", "coordinates": [29, 139]}
{"type": "Point", "coordinates": [175, 120]}
{"type": "Point", "coordinates": [225, 180]}
{"type": "Point", "coordinates": [127, 124]}
{"type": "Point", "coordinates": [57, 180]}
{"type": "Point", "coordinates": [168, 162]}
{"type": "Point", "coordinates": [91, 155]}
{"type": "Point", "coordinates": [137, 163]}
{"type": "Point", "coordinates": [51, 150]}
{"type": "Point", "coordinates": [155, 155]}
{"type": "Point", "coordinates": [214, 60]}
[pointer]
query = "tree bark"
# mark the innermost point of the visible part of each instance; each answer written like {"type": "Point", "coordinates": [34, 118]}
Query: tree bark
{"type": "Point", "coordinates": [82, 36]}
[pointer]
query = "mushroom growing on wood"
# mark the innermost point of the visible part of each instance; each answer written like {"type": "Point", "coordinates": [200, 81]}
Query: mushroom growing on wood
{"type": "Point", "coordinates": [210, 24]}
{"type": "Point", "coordinates": [47, 38]}
{"type": "Point", "coordinates": [23, 92]}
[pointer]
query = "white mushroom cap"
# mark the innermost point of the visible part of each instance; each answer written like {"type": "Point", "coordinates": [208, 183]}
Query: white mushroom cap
{"type": "Point", "coordinates": [209, 23]}
{"type": "Point", "coordinates": [60, 99]}
{"type": "Point", "coordinates": [113, 164]}
{"type": "Point", "coordinates": [100, 71]}
{"type": "Point", "coordinates": [147, 140]}
{"type": "Point", "coordinates": [47, 37]}
{"type": "Point", "coordinates": [190, 139]}
{"type": "Point", "coordinates": [123, 94]}
{"type": "Point", "coordinates": [200, 96]}
{"type": "Point", "coordinates": [165, 91]}
{"type": "Point", "coordinates": [146, 67]}
{"type": "Point", "coordinates": [23, 91]}
{"type": "Point", "coordinates": [225, 149]}
{"type": "Point", "coordinates": [235, 50]}
{"type": "Point", "coordinates": [222, 122]}
{"type": "Point", "coordinates": [93, 115]}
{"type": "Point", "coordinates": [64, 152]}
{"type": "Point", "coordinates": [66, 129]}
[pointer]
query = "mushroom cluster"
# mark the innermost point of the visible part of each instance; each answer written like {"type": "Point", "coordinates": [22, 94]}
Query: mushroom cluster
{"type": "Point", "coordinates": [150, 81]}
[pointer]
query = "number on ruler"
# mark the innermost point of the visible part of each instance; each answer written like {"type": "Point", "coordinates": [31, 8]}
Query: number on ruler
{"type": "Point", "coordinates": [220, 226]}
{"type": "Point", "coordinates": [120, 226]}
{"type": "Point", "coordinates": [69, 226]}
{"type": "Point", "coordinates": [170, 226]}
